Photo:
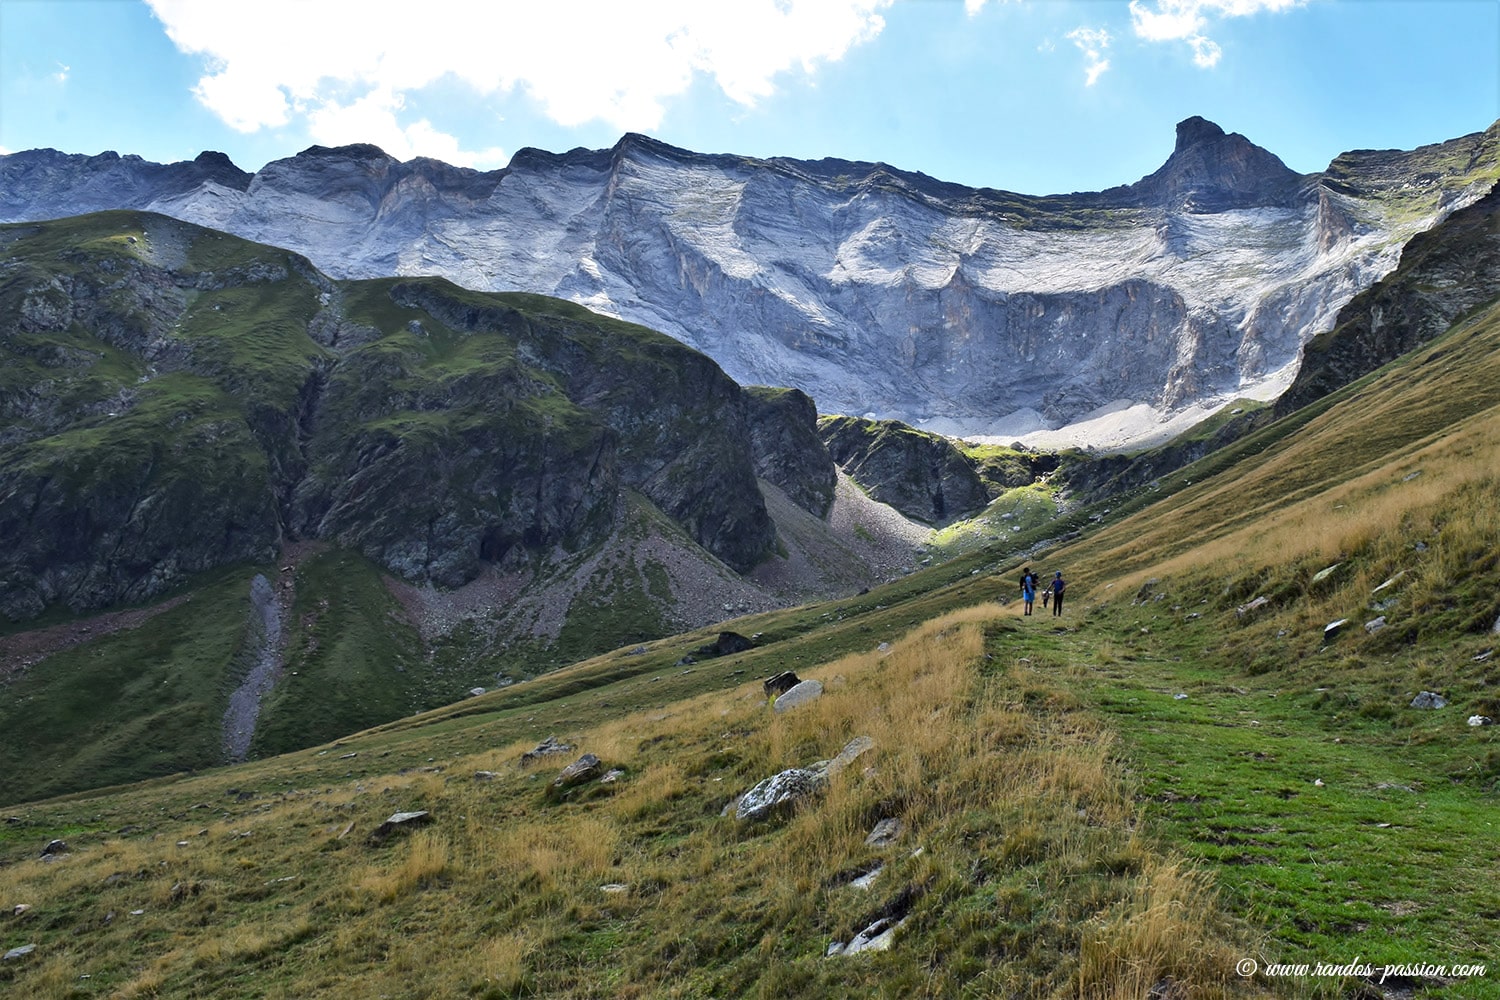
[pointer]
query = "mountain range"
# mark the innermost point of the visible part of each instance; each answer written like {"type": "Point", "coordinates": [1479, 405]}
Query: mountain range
{"type": "Point", "coordinates": [877, 291]}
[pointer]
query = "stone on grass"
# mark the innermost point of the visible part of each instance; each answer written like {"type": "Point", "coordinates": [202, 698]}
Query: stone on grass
{"type": "Point", "coordinates": [799, 695]}
{"type": "Point", "coordinates": [475, 692]}
{"type": "Point", "coordinates": [546, 748]}
{"type": "Point", "coordinates": [1255, 605]}
{"type": "Point", "coordinates": [613, 775]}
{"type": "Point", "coordinates": [886, 832]}
{"type": "Point", "coordinates": [780, 684]}
{"type": "Point", "coordinates": [484, 775]}
{"type": "Point", "coordinates": [1375, 625]}
{"type": "Point", "coordinates": [584, 769]}
{"type": "Point", "coordinates": [1332, 629]}
{"type": "Point", "coordinates": [21, 952]}
{"type": "Point", "coordinates": [1481, 720]}
{"type": "Point", "coordinates": [1429, 699]}
{"type": "Point", "coordinates": [868, 878]}
{"type": "Point", "coordinates": [55, 847]}
{"type": "Point", "coordinates": [1389, 583]}
{"type": "Point", "coordinates": [876, 937]}
{"type": "Point", "coordinates": [1324, 574]}
{"type": "Point", "coordinates": [778, 794]}
{"type": "Point", "coordinates": [851, 752]}
{"type": "Point", "coordinates": [401, 822]}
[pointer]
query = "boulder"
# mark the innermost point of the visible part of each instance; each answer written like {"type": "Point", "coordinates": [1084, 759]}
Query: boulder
{"type": "Point", "coordinates": [1429, 699]}
{"type": "Point", "coordinates": [876, 937]}
{"type": "Point", "coordinates": [1332, 629]}
{"type": "Point", "coordinates": [851, 752]}
{"type": "Point", "coordinates": [780, 683]}
{"type": "Point", "coordinates": [778, 794]}
{"type": "Point", "coordinates": [1252, 606]}
{"type": "Point", "coordinates": [886, 832]}
{"type": "Point", "coordinates": [1324, 574]}
{"type": "Point", "coordinates": [583, 770]}
{"type": "Point", "coordinates": [546, 748]}
{"type": "Point", "coordinates": [1481, 720]}
{"type": "Point", "coordinates": [799, 695]}
{"type": "Point", "coordinates": [55, 847]}
{"type": "Point", "coordinates": [21, 952]}
{"type": "Point", "coordinates": [401, 822]}
{"type": "Point", "coordinates": [1375, 625]}
{"type": "Point", "coordinates": [727, 644]}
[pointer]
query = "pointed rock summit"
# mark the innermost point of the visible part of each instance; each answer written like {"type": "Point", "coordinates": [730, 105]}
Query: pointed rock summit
{"type": "Point", "coordinates": [1214, 171]}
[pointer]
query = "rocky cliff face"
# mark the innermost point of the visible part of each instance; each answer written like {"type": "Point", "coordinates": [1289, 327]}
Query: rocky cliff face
{"type": "Point", "coordinates": [875, 290]}
{"type": "Point", "coordinates": [922, 475]}
{"type": "Point", "coordinates": [176, 400]}
{"type": "Point", "coordinates": [1443, 274]}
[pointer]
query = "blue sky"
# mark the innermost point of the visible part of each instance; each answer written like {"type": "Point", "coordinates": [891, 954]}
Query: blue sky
{"type": "Point", "coordinates": [1037, 96]}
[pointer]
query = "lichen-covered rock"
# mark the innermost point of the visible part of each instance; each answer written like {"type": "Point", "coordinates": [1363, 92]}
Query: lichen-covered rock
{"type": "Point", "coordinates": [583, 770]}
{"type": "Point", "coordinates": [801, 694]}
{"type": "Point", "coordinates": [778, 794]}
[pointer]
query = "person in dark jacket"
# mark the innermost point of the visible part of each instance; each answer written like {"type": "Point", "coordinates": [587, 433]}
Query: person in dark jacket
{"type": "Point", "coordinates": [1057, 588]}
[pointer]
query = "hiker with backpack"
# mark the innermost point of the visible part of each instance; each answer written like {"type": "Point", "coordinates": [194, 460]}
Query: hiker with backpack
{"type": "Point", "coordinates": [1057, 588]}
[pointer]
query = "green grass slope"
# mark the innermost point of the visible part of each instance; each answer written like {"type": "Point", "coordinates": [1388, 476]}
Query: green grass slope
{"type": "Point", "coordinates": [1173, 789]}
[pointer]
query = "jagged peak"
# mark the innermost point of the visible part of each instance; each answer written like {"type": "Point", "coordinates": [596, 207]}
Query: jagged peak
{"type": "Point", "coordinates": [353, 151]}
{"type": "Point", "coordinates": [1196, 131]}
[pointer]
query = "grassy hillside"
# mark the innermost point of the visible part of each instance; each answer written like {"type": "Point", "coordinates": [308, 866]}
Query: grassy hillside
{"type": "Point", "coordinates": [1170, 781]}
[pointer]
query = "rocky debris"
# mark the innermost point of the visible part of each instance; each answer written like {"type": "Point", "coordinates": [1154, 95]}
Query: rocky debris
{"type": "Point", "coordinates": [1429, 699]}
{"type": "Point", "coordinates": [551, 745]}
{"type": "Point", "coordinates": [852, 751]}
{"type": "Point", "coordinates": [1481, 720]}
{"type": "Point", "coordinates": [611, 776]}
{"type": "Point", "coordinates": [1332, 629]}
{"type": "Point", "coordinates": [727, 644]}
{"type": "Point", "coordinates": [868, 878]}
{"type": "Point", "coordinates": [780, 684]}
{"type": "Point", "coordinates": [1375, 625]}
{"type": "Point", "coordinates": [263, 635]}
{"type": "Point", "coordinates": [21, 952]}
{"type": "Point", "coordinates": [1388, 583]}
{"type": "Point", "coordinates": [1252, 606]}
{"type": "Point", "coordinates": [801, 694]}
{"type": "Point", "coordinates": [475, 692]}
{"type": "Point", "coordinates": [401, 822]}
{"type": "Point", "coordinates": [583, 770]}
{"type": "Point", "coordinates": [778, 794]}
{"type": "Point", "coordinates": [1324, 574]}
{"type": "Point", "coordinates": [876, 937]}
{"type": "Point", "coordinates": [484, 775]}
{"type": "Point", "coordinates": [54, 848]}
{"type": "Point", "coordinates": [886, 832]}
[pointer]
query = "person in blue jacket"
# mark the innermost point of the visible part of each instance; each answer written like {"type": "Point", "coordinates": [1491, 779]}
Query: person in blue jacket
{"type": "Point", "coordinates": [1057, 588]}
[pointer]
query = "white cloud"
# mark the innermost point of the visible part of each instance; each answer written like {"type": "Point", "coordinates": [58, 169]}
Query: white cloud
{"type": "Point", "coordinates": [342, 66]}
{"type": "Point", "coordinates": [1091, 42]}
{"type": "Point", "coordinates": [373, 118]}
{"type": "Point", "coordinates": [1187, 20]}
{"type": "Point", "coordinates": [61, 76]}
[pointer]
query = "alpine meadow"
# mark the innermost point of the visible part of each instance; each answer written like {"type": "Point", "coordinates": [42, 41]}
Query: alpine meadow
{"type": "Point", "coordinates": [601, 577]}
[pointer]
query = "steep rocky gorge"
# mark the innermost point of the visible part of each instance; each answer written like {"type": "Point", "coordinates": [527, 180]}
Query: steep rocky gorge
{"type": "Point", "coordinates": [877, 291]}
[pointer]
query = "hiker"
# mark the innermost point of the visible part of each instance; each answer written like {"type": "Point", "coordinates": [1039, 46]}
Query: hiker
{"type": "Point", "coordinates": [1057, 588]}
{"type": "Point", "coordinates": [1028, 591]}
{"type": "Point", "coordinates": [1046, 597]}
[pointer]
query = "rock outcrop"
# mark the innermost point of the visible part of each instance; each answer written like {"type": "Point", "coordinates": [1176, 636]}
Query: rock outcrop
{"type": "Point", "coordinates": [922, 475]}
{"type": "Point", "coordinates": [878, 291]}
{"type": "Point", "coordinates": [180, 400]}
{"type": "Point", "coordinates": [1443, 274]}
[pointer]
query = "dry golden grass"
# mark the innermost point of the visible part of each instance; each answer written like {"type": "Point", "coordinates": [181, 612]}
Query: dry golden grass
{"type": "Point", "coordinates": [1163, 932]}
